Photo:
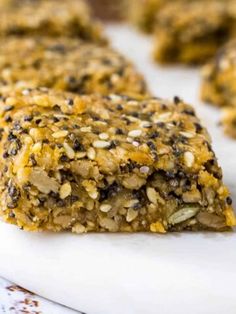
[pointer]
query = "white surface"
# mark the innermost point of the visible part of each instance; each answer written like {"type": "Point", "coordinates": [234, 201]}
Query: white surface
{"type": "Point", "coordinates": [125, 274]}
{"type": "Point", "coordinates": [14, 300]}
{"type": "Point", "coordinates": [134, 274]}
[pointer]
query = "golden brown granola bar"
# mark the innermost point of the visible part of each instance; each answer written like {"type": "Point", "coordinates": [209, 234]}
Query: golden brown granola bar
{"type": "Point", "coordinates": [114, 163]}
{"type": "Point", "coordinates": [231, 6]}
{"type": "Point", "coordinates": [55, 18]}
{"type": "Point", "coordinates": [186, 34]}
{"type": "Point", "coordinates": [229, 122]}
{"type": "Point", "coordinates": [107, 9]}
{"type": "Point", "coordinates": [67, 64]}
{"type": "Point", "coordinates": [142, 13]}
{"type": "Point", "coordinates": [219, 77]}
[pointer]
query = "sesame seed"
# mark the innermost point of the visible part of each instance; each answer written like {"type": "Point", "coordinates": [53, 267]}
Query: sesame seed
{"type": "Point", "coordinates": [69, 151]}
{"type": "Point", "coordinates": [65, 190]}
{"type": "Point", "coordinates": [131, 203]}
{"type": "Point", "coordinates": [5, 155]}
{"type": "Point", "coordinates": [119, 131]}
{"type": "Point", "coordinates": [64, 158]}
{"type": "Point", "coordinates": [229, 200]}
{"type": "Point", "coordinates": [101, 144]}
{"type": "Point", "coordinates": [77, 145]}
{"type": "Point", "coordinates": [115, 98]}
{"type": "Point", "coordinates": [135, 143]}
{"type": "Point", "coordinates": [154, 135]}
{"type": "Point", "coordinates": [70, 102]}
{"type": "Point", "coordinates": [60, 134]}
{"type": "Point", "coordinates": [91, 153]}
{"type": "Point", "coordinates": [144, 169]}
{"type": "Point", "coordinates": [105, 208]}
{"type": "Point", "coordinates": [25, 92]}
{"type": "Point", "coordinates": [189, 159]}
{"type": "Point", "coordinates": [145, 124]}
{"type": "Point", "coordinates": [86, 129]}
{"type": "Point", "coordinates": [177, 100]}
{"type": "Point", "coordinates": [103, 136]}
{"type": "Point", "coordinates": [162, 117]}
{"type": "Point", "coordinates": [114, 144]}
{"type": "Point", "coordinates": [132, 119]}
{"type": "Point", "coordinates": [28, 118]}
{"type": "Point", "coordinates": [187, 134]}
{"type": "Point", "coordinates": [93, 194]}
{"type": "Point", "coordinates": [131, 215]}
{"type": "Point", "coordinates": [152, 195]}
{"type": "Point", "coordinates": [135, 133]}
{"type": "Point", "coordinates": [119, 107]}
{"type": "Point", "coordinates": [80, 155]}
{"type": "Point", "coordinates": [133, 103]}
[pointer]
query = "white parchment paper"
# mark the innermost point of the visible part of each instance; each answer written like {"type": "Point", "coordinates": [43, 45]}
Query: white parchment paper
{"type": "Point", "coordinates": [140, 273]}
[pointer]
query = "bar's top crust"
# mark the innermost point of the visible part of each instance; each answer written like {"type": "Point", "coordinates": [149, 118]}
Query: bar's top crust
{"type": "Point", "coordinates": [67, 64]}
{"type": "Point", "coordinates": [191, 20]}
{"type": "Point", "coordinates": [219, 81]}
{"type": "Point", "coordinates": [53, 18]}
{"type": "Point", "coordinates": [224, 63]}
{"type": "Point", "coordinates": [161, 134]}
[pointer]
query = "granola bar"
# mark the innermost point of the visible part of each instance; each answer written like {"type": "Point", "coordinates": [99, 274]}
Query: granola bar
{"type": "Point", "coordinates": [219, 80]}
{"type": "Point", "coordinates": [145, 13]}
{"type": "Point", "coordinates": [231, 6]}
{"type": "Point", "coordinates": [229, 122]}
{"type": "Point", "coordinates": [107, 164]}
{"type": "Point", "coordinates": [70, 18]}
{"type": "Point", "coordinates": [142, 13]}
{"type": "Point", "coordinates": [67, 64]}
{"type": "Point", "coordinates": [191, 32]}
{"type": "Point", "coordinates": [107, 9]}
